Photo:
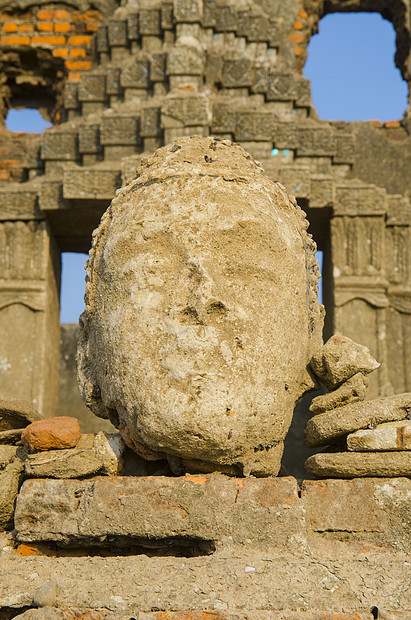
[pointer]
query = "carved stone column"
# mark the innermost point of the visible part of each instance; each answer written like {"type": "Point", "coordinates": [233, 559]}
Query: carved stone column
{"type": "Point", "coordinates": [29, 304]}
{"type": "Point", "coordinates": [359, 274]}
{"type": "Point", "coordinates": [398, 260]}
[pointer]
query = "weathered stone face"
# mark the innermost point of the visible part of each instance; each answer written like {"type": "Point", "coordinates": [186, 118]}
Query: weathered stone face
{"type": "Point", "coordinates": [201, 312]}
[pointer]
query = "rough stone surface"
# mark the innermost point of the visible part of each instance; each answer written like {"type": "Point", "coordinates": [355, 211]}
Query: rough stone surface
{"type": "Point", "coordinates": [110, 447]}
{"type": "Point", "coordinates": [192, 507]}
{"type": "Point", "coordinates": [10, 478]}
{"type": "Point", "coordinates": [351, 536]}
{"type": "Point", "coordinates": [326, 427]}
{"type": "Point", "coordinates": [52, 434]}
{"type": "Point", "coordinates": [341, 358]}
{"type": "Point", "coordinates": [76, 462]}
{"type": "Point", "coordinates": [359, 464]}
{"type": "Point", "coordinates": [16, 413]}
{"type": "Point", "coordinates": [12, 436]}
{"type": "Point", "coordinates": [388, 436]}
{"type": "Point", "coordinates": [352, 390]}
{"type": "Point", "coordinates": [179, 300]}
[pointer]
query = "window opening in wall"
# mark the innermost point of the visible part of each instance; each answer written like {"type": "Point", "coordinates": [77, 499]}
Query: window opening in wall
{"type": "Point", "coordinates": [351, 67]}
{"type": "Point", "coordinates": [72, 286]}
{"type": "Point", "coordinates": [26, 120]}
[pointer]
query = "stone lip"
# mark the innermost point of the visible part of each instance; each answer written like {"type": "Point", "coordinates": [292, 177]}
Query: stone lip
{"type": "Point", "coordinates": [324, 428]}
{"type": "Point", "coordinates": [52, 434]}
{"type": "Point", "coordinates": [359, 464]}
{"type": "Point", "coordinates": [388, 436]}
{"type": "Point", "coordinates": [202, 507]}
{"type": "Point", "coordinates": [340, 359]}
{"type": "Point", "coordinates": [16, 413]}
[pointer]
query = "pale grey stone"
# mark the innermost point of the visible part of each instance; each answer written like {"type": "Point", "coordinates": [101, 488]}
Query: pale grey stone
{"type": "Point", "coordinates": [341, 358]}
{"type": "Point", "coordinates": [359, 464]}
{"type": "Point", "coordinates": [7, 454]}
{"type": "Point", "coordinates": [110, 447]}
{"type": "Point", "coordinates": [324, 428]}
{"type": "Point", "coordinates": [46, 595]}
{"type": "Point", "coordinates": [388, 436]}
{"type": "Point", "coordinates": [184, 344]}
{"type": "Point", "coordinates": [352, 390]}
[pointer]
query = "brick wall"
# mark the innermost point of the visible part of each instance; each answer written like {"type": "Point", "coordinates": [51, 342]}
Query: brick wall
{"type": "Point", "coordinates": [66, 33]}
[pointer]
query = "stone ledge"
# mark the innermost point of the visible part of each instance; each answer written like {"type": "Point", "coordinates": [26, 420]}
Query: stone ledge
{"type": "Point", "coordinates": [258, 513]}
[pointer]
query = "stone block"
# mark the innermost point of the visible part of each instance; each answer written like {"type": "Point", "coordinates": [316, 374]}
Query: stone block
{"type": "Point", "coordinates": [359, 464]}
{"type": "Point", "coordinates": [187, 109]}
{"type": "Point", "coordinates": [188, 11]}
{"type": "Point", "coordinates": [352, 390]}
{"type": "Point", "coordinates": [60, 145]}
{"type": "Point", "coordinates": [89, 138]}
{"type": "Point", "coordinates": [150, 21]}
{"type": "Point", "coordinates": [340, 359]}
{"type": "Point", "coordinates": [254, 125]}
{"type": "Point", "coordinates": [135, 74]}
{"type": "Point", "coordinates": [286, 136]}
{"type": "Point", "coordinates": [260, 79]}
{"type": "Point", "coordinates": [70, 96]}
{"type": "Point", "coordinates": [388, 436]}
{"type": "Point", "coordinates": [253, 24]}
{"type": "Point", "coordinates": [119, 130]}
{"type": "Point", "coordinates": [224, 116]}
{"type": "Point", "coordinates": [158, 67]}
{"type": "Point", "coordinates": [143, 508]}
{"type": "Point", "coordinates": [83, 460]}
{"type": "Point", "coordinates": [102, 40]}
{"type": "Point", "coordinates": [94, 183]}
{"type": "Point", "coordinates": [345, 148]}
{"type": "Point", "coordinates": [185, 60]}
{"type": "Point", "coordinates": [281, 86]}
{"type": "Point", "coordinates": [360, 199]}
{"type": "Point", "coordinates": [321, 193]}
{"type": "Point", "coordinates": [344, 506]}
{"type": "Point", "coordinates": [150, 122]}
{"type": "Point", "coordinates": [18, 203]}
{"type": "Point", "coordinates": [117, 33]}
{"type": "Point", "coordinates": [133, 30]}
{"type": "Point", "coordinates": [303, 95]}
{"type": "Point", "coordinates": [296, 180]}
{"type": "Point", "coordinates": [92, 87]}
{"type": "Point", "coordinates": [16, 413]}
{"type": "Point", "coordinates": [10, 478]}
{"type": "Point", "coordinates": [51, 195]}
{"type": "Point", "coordinates": [316, 141]}
{"type": "Point", "coordinates": [324, 428]}
{"type": "Point", "coordinates": [113, 81]}
{"type": "Point", "coordinates": [225, 18]}
{"type": "Point", "coordinates": [237, 72]}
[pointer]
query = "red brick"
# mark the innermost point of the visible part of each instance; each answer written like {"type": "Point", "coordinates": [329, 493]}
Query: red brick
{"type": "Point", "coordinates": [60, 52]}
{"type": "Point", "coordinates": [10, 27]}
{"type": "Point", "coordinates": [392, 124]}
{"type": "Point", "coordinates": [26, 28]}
{"type": "Point", "coordinates": [299, 51]}
{"type": "Point", "coordinates": [49, 40]}
{"type": "Point", "coordinates": [79, 52]}
{"type": "Point", "coordinates": [62, 27]}
{"type": "Point", "coordinates": [92, 15]}
{"type": "Point", "coordinates": [79, 40]}
{"type": "Point", "coordinates": [45, 14]}
{"type": "Point", "coordinates": [297, 26]}
{"type": "Point", "coordinates": [296, 37]}
{"type": "Point", "coordinates": [92, 26]}
{"type": "Point", "coordinates": [45, 26]}
{"type": "Point", "coordinates": [302, 14]}
{"type": "Point", "coordinates": [78, 65]}
{"type": "Point", "coordinates": [14, 40]}
{"type": "Point", "coordinates": [61, 14]}
{"type": "Point", "coordinates": [51, 434]}
{"type": "Point", "coordinates": [74, 76]}
{"type": "Point", "coordinates": [4, 175]}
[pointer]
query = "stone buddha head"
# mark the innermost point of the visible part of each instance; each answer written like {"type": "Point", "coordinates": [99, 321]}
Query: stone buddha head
{"type": "Point", "coordinates": [201, 310]}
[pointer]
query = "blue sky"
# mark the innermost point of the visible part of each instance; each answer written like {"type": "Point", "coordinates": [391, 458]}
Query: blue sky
{"type": "Point", "coordinates": [353, 77]}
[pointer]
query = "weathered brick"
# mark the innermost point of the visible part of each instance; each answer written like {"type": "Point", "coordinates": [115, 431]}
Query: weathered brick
{"type": "Point", "coordinates": [14, 40]}
{"type": "Point", "coordinates": [48, 40]}
{"type": "Point", "coordinates": [9, 27]}
{"type": "Point", "coordinates": [82, 65]}
{"type": "Point", "coordinates": [26, 28]}
{"type": "Point", "coordinates": [62, 27]}
{"type": "Point", "coordinates": [45, 26]}
{"type": "Point", "coordinates": [76, 52]}
{"type": "Point", "coordinates": [79, 40]}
